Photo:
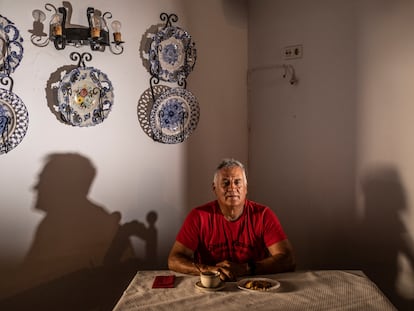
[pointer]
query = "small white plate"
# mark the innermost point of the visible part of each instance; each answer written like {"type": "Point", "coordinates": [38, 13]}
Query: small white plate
{"type": "Point", "coordinates": [242, 284]}
{"type": "Point", "coordinates": [210, 289]}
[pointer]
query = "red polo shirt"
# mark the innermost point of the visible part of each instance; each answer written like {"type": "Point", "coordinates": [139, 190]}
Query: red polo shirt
{"type": "Point", "coordinates": [214, 239]}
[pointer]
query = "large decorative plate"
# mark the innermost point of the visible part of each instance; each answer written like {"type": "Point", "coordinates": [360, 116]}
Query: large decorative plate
{"type": "Point", "coordinates": [172, 54]}
{"type": "Point", "coordinates": [85, 97]}
{"type": "Point", "coordinates": [14, 120]}
{"type": "Point", "coordinates": [174, 116]}
{"type": "Point", "coordinates": [145, 104]}
{"type": "Point", "coordinates": [11, 48]}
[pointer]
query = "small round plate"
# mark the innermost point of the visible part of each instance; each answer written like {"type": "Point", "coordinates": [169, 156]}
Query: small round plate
{"type": "Point", "coordinates": [14, 120]}
{"type": "Point", "coordinates": [172, 54]}
{"type": "Point", "coordinates": [174, 116]}
{"type": "Point", "coordinates": [270, 284]}
{"type": "Point", "coordinates": [200, 286]}
{"type": "Point", "coordinates": [85, 97]}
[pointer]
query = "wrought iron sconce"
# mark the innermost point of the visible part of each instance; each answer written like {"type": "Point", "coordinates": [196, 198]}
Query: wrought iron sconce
{"type": "Point", "coordinates": [62, 32]}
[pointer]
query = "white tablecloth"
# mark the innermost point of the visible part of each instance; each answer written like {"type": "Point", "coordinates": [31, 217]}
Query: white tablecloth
{"type": "Point", "coordinates": [302, 290]}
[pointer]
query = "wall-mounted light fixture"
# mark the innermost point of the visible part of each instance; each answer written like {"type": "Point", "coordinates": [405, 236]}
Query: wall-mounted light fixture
{"type": "Point", "coordinates": [63, 33]}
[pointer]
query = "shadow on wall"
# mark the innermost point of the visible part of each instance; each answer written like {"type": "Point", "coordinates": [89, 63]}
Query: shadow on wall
{"type": "Point", "coordinates": [81, 257]}
{"type": "Point", "coordinates": [384, 238]}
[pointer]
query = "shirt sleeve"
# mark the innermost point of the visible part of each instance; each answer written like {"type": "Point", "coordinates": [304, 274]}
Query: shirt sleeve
{"type": "Point", "coordinates": [273, 231]}
{"type": "Point", "coordinates": [188, 235]}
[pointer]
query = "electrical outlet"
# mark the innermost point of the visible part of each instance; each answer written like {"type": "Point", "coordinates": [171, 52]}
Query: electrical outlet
{"type": "Point", "coordinates": [293, 51]}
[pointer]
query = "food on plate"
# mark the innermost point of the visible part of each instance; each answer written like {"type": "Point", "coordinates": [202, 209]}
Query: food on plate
{"type": "Point", "coordinates": [258, 284]}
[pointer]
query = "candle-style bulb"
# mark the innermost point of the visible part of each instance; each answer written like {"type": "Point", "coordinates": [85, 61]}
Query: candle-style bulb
{"type": "Point", "coordinates": [56, 24]}
{"type": "Point", "coordinates": [38, 16]}
{"type": "Point", "coordinates": [96, 26]}
{"type": "Point", "coordinates": [116, 27]}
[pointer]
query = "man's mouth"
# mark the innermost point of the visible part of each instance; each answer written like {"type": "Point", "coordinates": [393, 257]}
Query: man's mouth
{"type": "Point", "coordinates": [232, 196]}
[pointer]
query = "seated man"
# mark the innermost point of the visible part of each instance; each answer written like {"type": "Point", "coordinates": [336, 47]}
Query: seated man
{"type": "Point", "coordinates": [232, 235]}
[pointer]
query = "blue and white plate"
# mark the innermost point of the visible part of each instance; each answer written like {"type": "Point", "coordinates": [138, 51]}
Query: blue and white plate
{"type": "Point", "coordinates": [11, 48]}
{"type": "Point", "coordinates": [145, 104]}
{"type": "Point", "coordinates": [174, 116]}
{"type": "Point", "coordinates": [172, 54]}
{"type": "Point", "coordinates": [85, 97]}
{"type": "Point", "coordinates": [14, 120]}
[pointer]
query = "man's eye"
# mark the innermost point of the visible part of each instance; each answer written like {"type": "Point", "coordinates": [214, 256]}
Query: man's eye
{"type": "Point", "coordinates": [226, 183]}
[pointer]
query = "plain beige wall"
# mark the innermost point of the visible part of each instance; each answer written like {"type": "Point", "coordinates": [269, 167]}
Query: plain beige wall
{"type": "Point", "coordinates": [332, 155]}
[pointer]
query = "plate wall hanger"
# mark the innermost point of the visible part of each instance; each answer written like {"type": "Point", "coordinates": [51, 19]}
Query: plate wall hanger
{"type": "Point", "coordinates": [169, 114]}
{"type": "Point", "coordinates": [172, 54]}
{"type": "Point", "coordinates": [6, 80]}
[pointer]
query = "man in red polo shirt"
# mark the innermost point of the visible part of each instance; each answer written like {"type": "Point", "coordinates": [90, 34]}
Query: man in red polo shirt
{"type": "Point", "coordinates": [232, 234]}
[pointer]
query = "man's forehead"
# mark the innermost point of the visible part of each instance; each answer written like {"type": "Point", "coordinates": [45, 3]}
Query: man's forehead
{"type": "Point", "coordinates": [231, 172]}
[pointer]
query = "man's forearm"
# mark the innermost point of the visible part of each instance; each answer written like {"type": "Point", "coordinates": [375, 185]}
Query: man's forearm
{"type": "Point", "coordinates": [275, 264]}
{"type": "Point", "coordinates": [185, 265]}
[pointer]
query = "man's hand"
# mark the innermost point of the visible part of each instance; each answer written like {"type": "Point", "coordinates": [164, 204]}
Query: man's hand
{"type": "Point", "coordinates": [229, 271]}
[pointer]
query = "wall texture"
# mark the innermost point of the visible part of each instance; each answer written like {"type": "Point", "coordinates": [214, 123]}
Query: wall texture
{"type": "Point", "coordinates": [75, 201]}
{"type": "Point", "coordinates": [332, 154]}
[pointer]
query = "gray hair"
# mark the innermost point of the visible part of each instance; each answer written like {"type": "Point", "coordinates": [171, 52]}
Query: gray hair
{"type": "Point", "coordinates": [226, 163]}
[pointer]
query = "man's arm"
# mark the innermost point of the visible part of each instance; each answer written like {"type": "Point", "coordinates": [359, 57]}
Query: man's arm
{"type": "Point", "coordinates": [281, 259]}
{"type": "Point", "coordinates": [181, 260]}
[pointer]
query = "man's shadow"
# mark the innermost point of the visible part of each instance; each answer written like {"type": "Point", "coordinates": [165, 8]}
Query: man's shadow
{"type": "Point", "coordinates": [81, 257]}
{"type": "Point", "coordinates": [383, 236]}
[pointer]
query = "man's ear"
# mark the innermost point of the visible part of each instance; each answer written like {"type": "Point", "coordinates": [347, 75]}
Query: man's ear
{"type": "Point", "coordinates": [213, 187]}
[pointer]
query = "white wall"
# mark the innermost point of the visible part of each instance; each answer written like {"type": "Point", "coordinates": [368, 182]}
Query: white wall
{"type": "Point", "coordinates": [333, 154]}
{"type": "Point", "coordinates": [134, 174]}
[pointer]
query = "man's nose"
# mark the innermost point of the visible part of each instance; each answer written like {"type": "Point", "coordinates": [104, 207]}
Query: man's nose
{"type": "Point", "coordinates": [232, 185]}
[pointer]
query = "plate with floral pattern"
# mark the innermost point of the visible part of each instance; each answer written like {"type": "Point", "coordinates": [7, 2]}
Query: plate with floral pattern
{"type": "Point", "coordinates": [14, 120]}
{"type": "Point", "coordinates": [11, 48]}
{"type": "Point", "coordinates": [85, 97]}
{"type": "Point", "coordinates": [172, 54]}
{"type": "Point", "coordinates": [174, 116]}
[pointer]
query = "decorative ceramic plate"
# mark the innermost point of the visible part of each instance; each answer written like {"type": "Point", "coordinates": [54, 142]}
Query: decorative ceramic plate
{"type": "Point", "coordinates": [11, 48]}
{"type": "Point", "coordinates": [172, 55]}
{"type": "Point", "coordinates": [145, 104]}
{"type": "Point", "coordinates": [14, 120]}
{"type": "Point", "coordinates": [174, 116]}
{"type": "Point", "coordinates": [258, 284]}
{"type": "Point", "coordinates": [85, 97]}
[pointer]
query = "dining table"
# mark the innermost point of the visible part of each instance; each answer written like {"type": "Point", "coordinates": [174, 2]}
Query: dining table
{"type": "Point", "coordinates": [299, 290]}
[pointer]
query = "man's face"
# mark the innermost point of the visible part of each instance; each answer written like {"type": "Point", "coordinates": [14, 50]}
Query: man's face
{"type": "Point", "coordinates": [230, 187]}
